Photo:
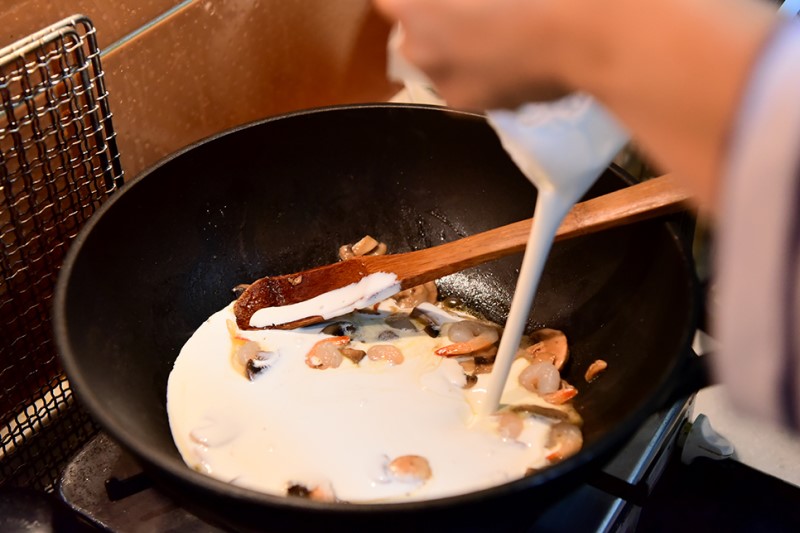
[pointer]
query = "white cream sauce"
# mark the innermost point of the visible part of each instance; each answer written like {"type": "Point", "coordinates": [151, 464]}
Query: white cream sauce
{"type": "Point", "coordinates": [368, 291]}
{"type": "Point", "coordinates": [339, 427]}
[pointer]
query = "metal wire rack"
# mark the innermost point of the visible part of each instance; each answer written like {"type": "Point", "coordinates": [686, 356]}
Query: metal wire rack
{"type": "Point", "coordinates": [58, 162]}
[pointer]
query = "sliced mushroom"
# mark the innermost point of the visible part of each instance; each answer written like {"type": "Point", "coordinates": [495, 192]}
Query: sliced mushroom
{"type": "Point", "coordinates": [353, 354]}
{"type": "Point", "coordinates": [471, 365]}
{"type": "Point", "coordinates": [509, 425]}
{"type": "Point", "coordinates": [298, 490]}
{"type": "Point", "coordinates": [368, 245]}
{"type": "Point", "coordinates": [378, 250]}
{"type": "Point", "coordinates": [340, 328]}
{"type": "Point", "coordinates": [551, 413]}
{"type": "Point", "coordinates": [259, 364]}
{"type": "Point", "coordinates": [365, 245]}
{"type": "Point", "coordinates": [400, 321]}
{"type": "Point", "coordinates": [346, 252]}
{"type": "Point", "coordinates": [239, 289]}
{"type": "Point", "coordinates": [548, 345]}
{"type": "Point", "coordinates": [565, 440]}
{"type": "Point", "coordinates": [431, 327]}
{"type": "Point", "coordinates": [387, 335]}
{"type": "Point", "coordinates": [414, 296]}
{"type": "Point", "coordinates": [471, 380]}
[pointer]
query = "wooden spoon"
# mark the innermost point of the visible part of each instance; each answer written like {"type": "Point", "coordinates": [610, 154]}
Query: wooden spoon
{"type": "Point", "coordinates": [652, 198]}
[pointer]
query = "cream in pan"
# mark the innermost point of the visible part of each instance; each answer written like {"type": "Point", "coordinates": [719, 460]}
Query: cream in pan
{"type": "Point", "coordinates": [340, 433]}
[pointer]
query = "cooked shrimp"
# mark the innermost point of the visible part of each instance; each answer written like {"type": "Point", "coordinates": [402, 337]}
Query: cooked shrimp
{"type": "Point", "coordinates": [562, 395]}
{"type": "Point", "coordinates": [542, 378]}
{"type": "Point", "coordinates": [321, 493]}
{"type": "Point", "coordinates": [469, 336]}
{"type": "Point", "coordinates": [325, 353]}
{"type": "Point", "coordinates": [565, 440]}
{"type": "Point", "coordinates": [409, 469]}
{"type": "Point", "coordinates": [385, 352]}
{"type": "Point", "coordinates": [595, 369]}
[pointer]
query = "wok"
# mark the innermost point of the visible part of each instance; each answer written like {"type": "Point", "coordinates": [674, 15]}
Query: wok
{"type": "Point", "coordinates": [280, 196]}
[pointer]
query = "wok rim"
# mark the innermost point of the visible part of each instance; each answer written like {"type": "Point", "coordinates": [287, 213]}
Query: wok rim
{"type": "Point", "coordinates": [611, 441]}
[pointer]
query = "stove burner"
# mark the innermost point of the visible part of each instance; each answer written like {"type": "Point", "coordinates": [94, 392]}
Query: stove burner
{"type": "Point", "coordinates": [105, 485]}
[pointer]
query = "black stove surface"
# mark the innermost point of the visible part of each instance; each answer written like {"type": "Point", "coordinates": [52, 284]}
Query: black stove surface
{"type": "Point", "coordinates": [106, 486]}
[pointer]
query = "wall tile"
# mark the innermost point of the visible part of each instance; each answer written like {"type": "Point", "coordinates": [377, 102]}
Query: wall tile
{"type": "Point", "coordinates": [113, 18]}
{"type": "Point", "coordinates": [220, 63]}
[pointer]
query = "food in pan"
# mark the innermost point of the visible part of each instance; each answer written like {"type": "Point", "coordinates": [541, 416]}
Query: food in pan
{"type": "Point", "coordinates": [374, 406]}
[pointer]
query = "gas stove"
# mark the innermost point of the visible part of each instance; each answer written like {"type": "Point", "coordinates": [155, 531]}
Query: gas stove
{"type": "Point", "coordinates": [105, 485]}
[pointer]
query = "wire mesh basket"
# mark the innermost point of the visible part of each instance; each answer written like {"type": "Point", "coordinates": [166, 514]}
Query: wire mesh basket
{"type": "Point", "coordinates": [58, 163]}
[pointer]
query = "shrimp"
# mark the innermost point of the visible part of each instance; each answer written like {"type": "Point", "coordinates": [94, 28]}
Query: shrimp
{"type": "Point", "coordinates": [562, 395]}
{"type": "Point", "coordinates": [325, 353]}
{"type": "Point", "coordinates": [249, 357]}
{"type": "Point", "coordinates": [385, 352]}
{"type": "Point", "coordinates": [469, 336]}
{"type": "Point", "coordinates": [565, 440]}
{"type": "Point", "coordinates": [321, 493]}
{"type": "Point", "coordinates": [594, 370]}
{"type": "Point", "coordinates": [542, 378]}
{"type": "Point", "coordinates": [409, 469]}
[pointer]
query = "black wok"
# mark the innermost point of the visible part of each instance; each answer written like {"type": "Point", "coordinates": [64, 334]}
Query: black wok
{"type": "Point", "coordinates": [280, 196]}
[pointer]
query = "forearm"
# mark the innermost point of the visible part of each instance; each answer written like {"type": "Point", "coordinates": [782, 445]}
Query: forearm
{"type": "Point", "coordinates": [673, 71]}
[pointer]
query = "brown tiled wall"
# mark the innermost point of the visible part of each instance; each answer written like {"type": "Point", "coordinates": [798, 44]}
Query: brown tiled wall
{"type": "Point", "coordinates": [113, 18]}
{"type": "Point", "coordinates": [214, 64]}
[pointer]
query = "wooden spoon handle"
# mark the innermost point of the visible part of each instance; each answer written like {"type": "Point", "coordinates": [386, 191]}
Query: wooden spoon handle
{"type": "Point", "coordinates": [649, 199]}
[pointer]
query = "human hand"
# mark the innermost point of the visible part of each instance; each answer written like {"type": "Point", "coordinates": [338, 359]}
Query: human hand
{"type": "Point", "coordinates": [483, 54]}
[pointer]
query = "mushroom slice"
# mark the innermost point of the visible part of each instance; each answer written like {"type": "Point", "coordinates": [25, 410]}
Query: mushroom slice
{"type": "Point", "coordinates": [471, 380]}
{"type": "Point", "coordinates": [400, 321]}
{"type": "Point", "coordinates": [365, 245]}
{"type": "Point", "coordinates": [548, 345]}
{"type": "Point", "coordinates": [239, 289]}
{"type": "Point", "coordinates": [414, 296]}
{"type": "Point", "coordinates": [431, 327]}
{"type": "Point", "coordinates": [342, 327]}
{"type": "Point", "coordinates": [298, 490]}
{"type": "Point", "coordinates": [550, 413]}
{"type": "Point", "coordinates": [387, 335]}
{"type": "Point", "coordinates": [259, 364]}
{"type": "Point", "coordinates": [565, 440]}
{"type": "Point", "coordinates": [353, 354]}
{"type": "Point", "coordinates": [509, 424]}
{"type": "Point", "coordinates": [346, 252]}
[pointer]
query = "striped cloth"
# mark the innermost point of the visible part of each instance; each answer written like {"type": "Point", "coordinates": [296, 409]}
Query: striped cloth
{"type": "Point", "coordinates": [756, 315]}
